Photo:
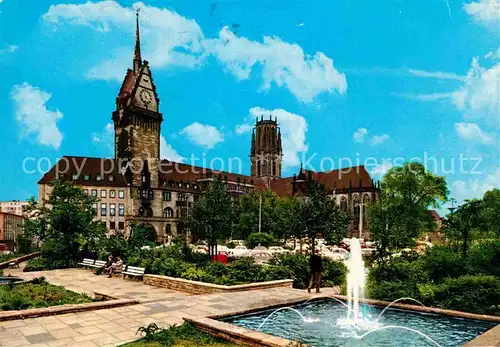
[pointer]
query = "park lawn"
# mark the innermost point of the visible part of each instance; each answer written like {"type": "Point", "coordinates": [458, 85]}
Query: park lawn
{"type": "Point", "coordinates": [185, 335]}
{"type": "Point", "coordinates": [36, 294]}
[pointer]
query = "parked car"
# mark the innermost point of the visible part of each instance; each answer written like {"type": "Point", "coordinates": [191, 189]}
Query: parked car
{"type": "Point", "coordinates": [277, 249]}
{"type": "Point", "coordinates": [240, 251]}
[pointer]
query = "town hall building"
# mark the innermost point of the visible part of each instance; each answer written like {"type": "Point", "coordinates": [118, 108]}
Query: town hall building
{"type": "Point", "coordinates": [137, 186]}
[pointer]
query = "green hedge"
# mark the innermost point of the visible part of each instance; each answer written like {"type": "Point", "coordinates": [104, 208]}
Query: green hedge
{"type": "Point", "coordinates": [442, 278]}
{"type": "Point", "coordinates": [298, 266]}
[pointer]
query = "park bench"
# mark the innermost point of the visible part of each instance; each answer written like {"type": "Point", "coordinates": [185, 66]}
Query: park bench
{"type": "Point", "coordinates": [87, 262]}
{"type": "Point", "coordinates": [99, 263]}
{"type": "Point", "coordinates": [133, 271]}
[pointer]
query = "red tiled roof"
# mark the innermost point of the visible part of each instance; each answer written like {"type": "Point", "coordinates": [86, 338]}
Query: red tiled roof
{"type": "Point", "coordinates": [174, 171]}
{"type": "Point", "coordinates": [356, 176]}
{"type": "Point", "coordinates": [435, 215]}
{"type": "Point", "coordinates": [67, 166]}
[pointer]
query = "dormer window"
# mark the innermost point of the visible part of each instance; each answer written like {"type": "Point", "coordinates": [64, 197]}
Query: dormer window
{"type": "Point", "coordinates": [187, 185]}
{"type": "Point", "coordinates": [86, 177]}
{"type": "Point", "coordinates": [98, 178]}
{"type": "Point", "coordinates": [111, 178]}
{"type": "Point", "coordinates": [75, 176]}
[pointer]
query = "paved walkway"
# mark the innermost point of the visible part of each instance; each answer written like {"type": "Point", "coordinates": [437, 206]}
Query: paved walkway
{"type": "Point", "coordinates": [111, 327]}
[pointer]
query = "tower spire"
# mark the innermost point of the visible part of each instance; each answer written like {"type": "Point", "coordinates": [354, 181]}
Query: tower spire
{"type": "Point", "coordinates": [137, 50]}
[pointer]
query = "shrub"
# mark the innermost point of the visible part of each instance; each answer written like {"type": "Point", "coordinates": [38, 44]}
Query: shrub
{"type": "Point", "coordinates": [441, 262]}
{"type": "Point", "coordinates": [263, 239]}
{"type": "Point", "coordinates": [467, 293]}
{"type": "Point", "coordinates": [38, 293]}
{"type": "Point", "coordinates": [484, 258]}
{"type": "Point", "coordinates": [389, 291]}
{"type": "Point", "coordinates": [43, 263]}
{"type": "Point", "coordinates": [398, 269]}
{"type": "Point", "coordinates": [297, 266]}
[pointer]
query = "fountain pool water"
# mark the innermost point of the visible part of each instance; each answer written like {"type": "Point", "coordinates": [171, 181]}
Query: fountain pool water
{"type": "Point", "coordinates": [326, 323]}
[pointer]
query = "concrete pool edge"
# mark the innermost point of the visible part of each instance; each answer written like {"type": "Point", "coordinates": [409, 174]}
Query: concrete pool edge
{"type": "Point", "coordinates": [212, 324]}
{"type": "Point", "coordinates": [238, 335]}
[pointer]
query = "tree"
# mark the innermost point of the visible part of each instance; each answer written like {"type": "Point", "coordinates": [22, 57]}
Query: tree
{"type": "Point", "coordinates": [141, 235]}
{"type": "Point", "coordinates": [273, 214]}
{"type": "Point", "coordinates": [461, 224]}
{"type": "Point", "coordinates": [212, 215]}
{"type": "Point", "coordinates": [65, 223]}
{"type": "Point", "coordinates": [491, 211]}
{"type": "Point", "coordinates": [318, 214]}
{"type": "Point", "coordinates": [402, 214]}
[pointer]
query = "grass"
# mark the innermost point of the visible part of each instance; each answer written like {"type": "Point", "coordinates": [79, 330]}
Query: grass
{"type": "Point", "coordinates": [36, 294]}
{"type": "Point", "coordinates": [186, 335]}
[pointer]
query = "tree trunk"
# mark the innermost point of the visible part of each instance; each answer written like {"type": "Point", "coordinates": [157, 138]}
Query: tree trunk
{"type": "Point", "coordinates": [464, 246]}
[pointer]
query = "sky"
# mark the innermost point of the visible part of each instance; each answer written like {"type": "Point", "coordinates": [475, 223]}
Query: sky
{"type": "Point", "coordinates": [351, 82]}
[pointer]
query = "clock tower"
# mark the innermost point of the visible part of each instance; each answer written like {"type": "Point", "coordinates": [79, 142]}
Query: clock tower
{"type": "Point", "coordinates": [137, 123]}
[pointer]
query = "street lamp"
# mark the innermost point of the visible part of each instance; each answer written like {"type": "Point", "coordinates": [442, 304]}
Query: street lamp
{"type": "Point", "coordinates": [361, 217]}
{"type": "Point", "coordinates": [452, 208]}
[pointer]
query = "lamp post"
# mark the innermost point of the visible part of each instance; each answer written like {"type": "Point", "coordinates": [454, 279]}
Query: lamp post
{"type": "Point", "coordinates": [361, 219]}
{"type": "Point", "coordinates": [452, 208]}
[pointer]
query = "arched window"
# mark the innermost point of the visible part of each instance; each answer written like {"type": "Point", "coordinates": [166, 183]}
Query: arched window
{"type": "Point", "coordinates": [168, 213]}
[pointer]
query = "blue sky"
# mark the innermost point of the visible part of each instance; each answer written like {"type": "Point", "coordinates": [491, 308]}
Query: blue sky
{"type": "Point", "coordinates": [361, 80]}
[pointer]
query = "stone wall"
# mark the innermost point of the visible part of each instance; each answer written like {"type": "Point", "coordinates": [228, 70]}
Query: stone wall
{"type": "Point", "coordinates": [195, 287]}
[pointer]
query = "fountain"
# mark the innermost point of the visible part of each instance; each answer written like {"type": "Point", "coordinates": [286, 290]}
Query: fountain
{"type": "Point", "coordinates": [356, 327]}
{"type": "Point", "coordinates": [355, 281]}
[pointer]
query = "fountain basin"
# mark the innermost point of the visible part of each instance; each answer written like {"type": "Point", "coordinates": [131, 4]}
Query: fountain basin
{"type": "Point", "coordinates": [396, 327]}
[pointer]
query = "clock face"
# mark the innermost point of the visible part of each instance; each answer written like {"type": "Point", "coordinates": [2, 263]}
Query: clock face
{"type": "Point", "coordinates": [146, 96]}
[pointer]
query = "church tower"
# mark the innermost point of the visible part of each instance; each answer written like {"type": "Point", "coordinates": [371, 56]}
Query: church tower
{"type": "Point", "coordinates": [137, 123]}
{"type": "Point", "coordinates": [266, 152]}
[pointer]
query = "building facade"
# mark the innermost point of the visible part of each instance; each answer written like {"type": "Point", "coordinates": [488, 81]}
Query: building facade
{"type": "Point", "coordinates": [11, 227]}
{"type": "Point", "coordinates": [138, 186]}
{"type": "Point", "coordinates": [14, 207]}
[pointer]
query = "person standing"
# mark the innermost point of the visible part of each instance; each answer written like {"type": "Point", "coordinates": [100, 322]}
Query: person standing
{"type": "Point", "coordinates": [316, 268]}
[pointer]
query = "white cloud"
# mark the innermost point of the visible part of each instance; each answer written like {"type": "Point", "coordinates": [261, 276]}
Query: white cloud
{"type": "Point", "coordinates": [380, 169]}
{"type": "Point", "coordinates": [106, 138]}
{"type": "Point", "coordinates": [472, 132]}
{"type": "Point", "coordinates": [479, 96]}
{"type": "Point", "coordinates": [282, 63]}
{"type": "Point", "coordinates": [169, 38]}
{"type": "Point", "coordinates": [379, 139]}
{"type": "Point", "coordinates": [493, 55]}
{"type": "Point", "coordinates": [486, 12]}
{"type": "Point", "coordinates": [243, 128]}
{"type": "Point", "coordinates": [34, 117]}
{"type": "Point", "coordinates": [436, 74]}
{"type": "Point", "coordinates": [204, 135]}
{"type": "Point", "coordinates": [426, 97]}
{"type": "Point", "coordinates": [293, 132]}
{"type": "Point", "coordinates": [9, 49]}
{"type": "Point", "coordinates": [359, 135]}
{"type": "Point", "coordinates": [166, 151]}
{"type": "Point", "coordinates": [475, 188]}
